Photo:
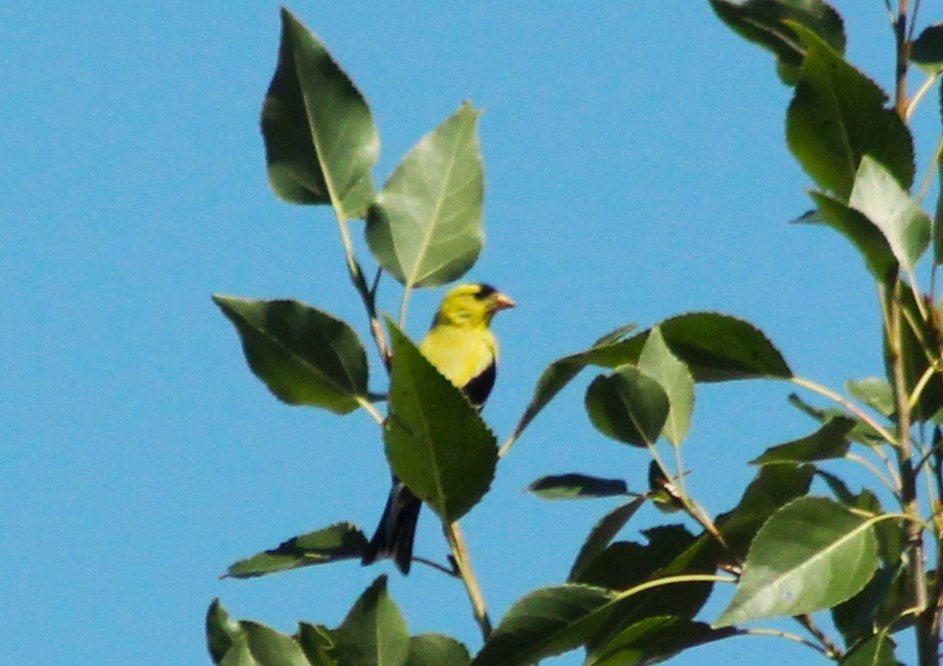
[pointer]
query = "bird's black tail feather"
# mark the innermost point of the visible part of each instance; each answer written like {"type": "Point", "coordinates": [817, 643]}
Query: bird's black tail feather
{"type": "Point", "coordinates": [397, 529]}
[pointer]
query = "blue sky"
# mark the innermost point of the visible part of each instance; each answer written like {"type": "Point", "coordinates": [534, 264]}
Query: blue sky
{"type": "Point", "coordinates": [635, 167]}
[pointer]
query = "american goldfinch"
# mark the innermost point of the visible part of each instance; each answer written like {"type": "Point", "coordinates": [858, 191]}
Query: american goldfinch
{"type": "Point", "coordinates": [462, 347]}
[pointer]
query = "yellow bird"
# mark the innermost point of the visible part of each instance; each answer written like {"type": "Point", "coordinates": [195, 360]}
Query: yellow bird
{"type": "Point", "coordinates": [462, 347]}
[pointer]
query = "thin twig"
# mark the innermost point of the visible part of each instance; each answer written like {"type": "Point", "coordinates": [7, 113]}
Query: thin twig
{"type": "Point", "coordinates": [453, 534]}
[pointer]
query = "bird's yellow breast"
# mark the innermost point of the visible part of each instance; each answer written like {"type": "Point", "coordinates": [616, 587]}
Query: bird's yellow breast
{"type": "Point", "coordinates": [461, 354]}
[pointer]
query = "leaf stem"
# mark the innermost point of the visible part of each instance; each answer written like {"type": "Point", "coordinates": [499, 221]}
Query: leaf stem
{"type": "Point", "coordinates": [795, 638]}
{"type": "Point", "coordinates": [453, 534]}
{"type": "Point", "coordinates": [847, 404]}
{"type": "Point", "coordinates": [831, 650]}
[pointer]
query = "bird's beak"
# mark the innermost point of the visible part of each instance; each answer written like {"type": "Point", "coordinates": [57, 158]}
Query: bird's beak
{"type": "Point", "coordinates": [501, 302]}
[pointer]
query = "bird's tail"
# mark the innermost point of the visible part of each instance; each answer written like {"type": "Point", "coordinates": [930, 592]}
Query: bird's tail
{"type": "Point", "coordinates": [397, 529]}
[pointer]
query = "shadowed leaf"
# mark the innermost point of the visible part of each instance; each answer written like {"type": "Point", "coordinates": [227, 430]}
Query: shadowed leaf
{"type": "Point", "coordinates": [628, 406]}
{"type": "Point", "coordinates": [374, 632]}
{"type": "Point", "coordinates": [577, 486]}
{"type": "Point", "coordinates": [829, 441]}
{"type": "Point", "coordinates": [304, 356]}
{"type": "Point", "coordinates": [436, 650]}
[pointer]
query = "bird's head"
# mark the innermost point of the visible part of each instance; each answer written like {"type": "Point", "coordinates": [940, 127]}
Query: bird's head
{"type": "Point", "coordinates": [471, 305]}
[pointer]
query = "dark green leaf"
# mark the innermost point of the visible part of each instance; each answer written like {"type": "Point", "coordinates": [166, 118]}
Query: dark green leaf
{"type": "Point", "coordinates": [878, 650]}
{"type": "Point", "coordinates": [547, 622]}
{"type": "Point", "coordinates": [927, 50]}
{"type": "Point", "coordinates": [718, 347]}
{"type": "Point", "coordinates": [317, 642]}
{"type": "Point", "coordinates": [881, 603]}
{"type": "Point", "coordinates": [862, 233]}
{"type": "Point", "coordinates": [436, 650]}
{"type": "Point", "coordinates": [659, 363]}
{"type": "Point", "coordinates": [320, 141]}
{"type": "Point", "coordinates": [875, 392]}
{"type": "Point", "coordinates": [654, 639]}
{"type": "Point", "coordinates": [609, 351]}
{"type": "Point", "coordinates": [829, 441]}
{"type": "Point", "coordinates": [602, 535]}
{"type": "Point", "coordinates": [374, 632]}
{"type": "Point", "coordinates": [837, 116]}
{"type": "Point", "coordinates": [627, 405]}
{"type": "Point", "coordinates": [425, 229]}
{"type": "Point", "coordinates": [342, 541]}
{"type": "Point", "coordinates": [304, 356]}
{"type": "Point", "coordinates": [862, 432]}
{"type": "Point", "coordinates": [938, 213]}
{"type": "Point", "coordinates": [812, 554]}
{"type": "Point", "coordinates": [435, 440]}
{"type": "Point", "coordinates": [763, 22]}
{"type": "Point", "coordinates": [221, 631]}
{"type": "Point", "coordinates": [773, 487]}
{"type": "Point", "coordinates": [887, 205]}
{"type": "Point", "coordinates": [577, 486]}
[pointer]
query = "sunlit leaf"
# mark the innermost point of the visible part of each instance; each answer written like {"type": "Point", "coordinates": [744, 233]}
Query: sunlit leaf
{"type": "Point", "coordinates": [425, 228]}
{"type": "Point", "coordinates": [320, 141]}
{"type": "Point", "coordinates": [829, 441]}
{"type": "Point", "coordinates": [436, 650]}
{"type": "Point", "coordinates": [337, 542]}
{"type": "Point", "coordinates": [763, 22]}
{"type": "Point", "coordinates": [658, 362]}
{"type": "Point", "coordinates": [837, 116]}
{"type": "Point", "coordinates": [436, 442]}
{"type": "Point", "coordinates": [627, 405]}
{"type": "Point", "coordinates": [875, 392]}
{"type": "Point", "coordinates": [262, 646]}
{"type": "Point", "coordinates": [304, 356]}
{"type": "Point", "coordinates": [812, 554]}
{"type": "Point", "coordinates": [878, 196]}
{"type": "Point", "coordinates": [374, 632]}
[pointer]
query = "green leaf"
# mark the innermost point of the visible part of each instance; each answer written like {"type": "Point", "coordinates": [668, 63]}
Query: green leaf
{"type": "Point", "coordinates": [653, 640]}
{"type": "Point", "coordinates": [577, 486]}
{"type": "Point", "coordinates": [602, 535]}
{"type": "Point", "coordinates": [914, 359]}
{"type": "Point", "coordinates": [875, 392]}
{"type": "Point", "coordinates": [317, 642]}
{"type": "Point", "coordinates": [374, 632]}
{"type": "Point", "coordinates": [875, 651]}
{"type": "Point", "coordinates": [436, 650]}
{"type": "Point", "coordinates": [342, 541]}
{"type": "Point", "coordinates": [829, 441]}
{"type": "Point", "coordinates": [221, 631]}
{"type": "Point", "coordinates": [837, 116]}
{"type": "Point", "coordinates": [262, 646]}
{"type": "Point", "coordinates": [763, 22]}
{"type": "Point", "coordinates": [628, 406]}
{"type": "Point", "coordinates": [718, 347]}
{"type": "Point", "coordinates": [926, 52]}
{"type": "Point", "coordinates": [938, 213]}
{"type": "Point", "coordinates": [862, 432]}
{"type": "Point", "coordinates": [425, 228]}
{"type": "Point", "coordinates": [547, 622]}
{"type": "Point", "coordinates": [659, 363]}
{"type": "Point", "coordinates": [320, 140]}
{"type": "Point", "coordinates": [862, 233]}
{"type": "Point", "coordinates": [304, 356]}
{"type": "Point", "coordinates": [435, 440]}
{"type": "Point", "coordinates": [609, 351]}
{"type": "Point", "coordinates": [773, 487]}
{"type": "Point", "coordinates": [812, 554]}
{"type": "Point", "coordinates": [877, 195]}
{"type": "Point", "coordinates": [883, 602]}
